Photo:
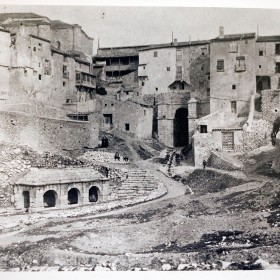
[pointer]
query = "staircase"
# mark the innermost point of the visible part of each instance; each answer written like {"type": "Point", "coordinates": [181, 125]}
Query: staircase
{"type": "Point", "coordinates": [139, 182]}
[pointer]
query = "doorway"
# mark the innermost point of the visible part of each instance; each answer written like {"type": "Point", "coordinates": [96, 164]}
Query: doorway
{"type": "Point", "coordinates": [181, 128]}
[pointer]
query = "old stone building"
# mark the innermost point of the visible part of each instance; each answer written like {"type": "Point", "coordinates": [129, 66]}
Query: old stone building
{"type": "Point", "coordinates": [49, 83]}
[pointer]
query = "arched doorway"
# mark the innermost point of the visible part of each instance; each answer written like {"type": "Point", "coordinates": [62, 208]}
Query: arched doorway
{"type": "Point", "coordinates": [93, 194]}
{"type": "Point", "coordinates": [26, 200]}
{"type": "Point", "coordinates": [73, 196]}
{"type": "Point", "coordinates": [50, 198]}
{"type": "Point", "coordinates": [181, 128]}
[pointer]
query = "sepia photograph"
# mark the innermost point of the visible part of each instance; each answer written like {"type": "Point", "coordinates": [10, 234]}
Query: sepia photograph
{"type": "Point", "coordinates": [139, 138]}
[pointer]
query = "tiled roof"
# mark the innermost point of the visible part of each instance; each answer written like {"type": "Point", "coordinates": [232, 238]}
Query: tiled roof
{"type": "Point", "coordinates": [60, 24]}
{"type": "Point", "coordinates": [234, 37]}
{"type": "Point", "coordinates": [178, 44]}
{"type": "Point", "coordinates": [5, 16]}
{"type": "Point", "coordinates": [118, 51]}
{"type": "Point", "coordinates": [26, 23]}
{"type": "Point", "coordinates": [41, 177]}
{"type": "Point", "coordinates": [274, 38]}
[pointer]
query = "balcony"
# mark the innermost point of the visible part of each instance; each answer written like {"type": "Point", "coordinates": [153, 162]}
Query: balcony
{"type": "Point", "coordinates": [121, 67]}
{"type": "Point", "coordinates": [240, 68]}
{"type": "Point", "coordinates": [85, 79]}
{"type": "Point", "coordinates": [65, 75]}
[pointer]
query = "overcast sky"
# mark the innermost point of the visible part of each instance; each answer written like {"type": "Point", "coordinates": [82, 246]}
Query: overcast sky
{"type": "Point", "coordinates": [123, 26]}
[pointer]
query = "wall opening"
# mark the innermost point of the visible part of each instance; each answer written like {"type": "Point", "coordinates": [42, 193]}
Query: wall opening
{"type": "Point", "coordinates": [263, 83]}
{"type": "Point", "coordinates": [50, 198]}
{"type": "Point", "coordinates": [73, 196]}
{"type": "Point", "coordinates": [26, 199]}
{"type": "Point", "coordinates": [93, 194]}
{"type": "Point", "coordinates": [181, 128]}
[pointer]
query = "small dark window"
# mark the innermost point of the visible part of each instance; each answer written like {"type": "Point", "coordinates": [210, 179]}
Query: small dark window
{"type": "Point", "coordinates": [246, 41]}
{"type": "Point", "coordinates": [168, 68]}
{"type": "Point", "coordinates": [155, 54]}
{"type": "Point", "coordinates": [220, 65]}
{"type": "Point", "coordinates": [144, 67]}
{"type": "Point", "coordinates": [34, 49]}
{"type": "Point", "coordinates": [260, 53]}
{"type": "Point", "coordinates": [105, 105]}
{"type": "Point", "coordinates": [277, 67]}
{"type": "Point", "coordinates": [233, 106]}
{"type": "Point", "coordinates": [40, 77]}
{"type": "Point", "coordinates": [64, 84]}
{"type": "Point", "coordinates": [143, 83]}
{"type": "Point", "coordinates": [144, 112]}
{"type": "Point", "coordinates": [202, 67]}
{"type": "Point", "coordinates": [277, 49]}
{"type": "Point", "coordinates": [233, 86]}
{"type": "Point", "coordinates": [127, 93]}
{"type": "Point", "coordinates": [127, 126]}
{"type": "Point", "coordinates": [112, 104]}
{"type": "Point", "coordinates": [25, 72]}
{"type": "Point", "coordinates": [260, 66]}
{"type": "Point", "coordinates": [156, 89]}
{"type": "Point", "coordinates": [203, 129]}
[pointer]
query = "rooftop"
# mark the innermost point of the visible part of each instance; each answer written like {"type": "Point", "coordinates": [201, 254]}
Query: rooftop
{"type": "Point", "coordinates": [60, 24]}
{"type": "Point", "coordinates": [178, 44]}
{"type": "Point", "coordinates": [5, 16]}
{"type": "Point", "coordinates": [118, 51]}
{"type": "Point", "coordinates": [234, 37]}
{"type": "Point", "coordinates": [273, 38]}
{"type": "Point", "coordinates": [41, 177]}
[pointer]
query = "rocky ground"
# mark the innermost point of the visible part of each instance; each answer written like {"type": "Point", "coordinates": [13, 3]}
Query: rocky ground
{"type": "Point", "coordinates": [209, 220]}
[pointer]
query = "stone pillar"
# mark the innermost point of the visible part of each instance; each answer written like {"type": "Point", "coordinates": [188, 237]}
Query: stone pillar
{"type": "Point", "coordinates": [193, 115]}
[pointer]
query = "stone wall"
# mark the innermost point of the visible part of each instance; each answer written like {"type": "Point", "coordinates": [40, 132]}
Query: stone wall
{"type": "Point", "coordinates": [270, 105]}
{"type": "Point", "coordinates": [202, 147]}
{"type": "Point", "coordinates": [259, 136]}
{"type": "Point", "coordinates": [46, 134]}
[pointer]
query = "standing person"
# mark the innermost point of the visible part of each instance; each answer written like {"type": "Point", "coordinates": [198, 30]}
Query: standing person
{"type": "Point", "coordinates": [204, 164]}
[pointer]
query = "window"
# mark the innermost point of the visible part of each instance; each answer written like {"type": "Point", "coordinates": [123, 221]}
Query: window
{"type": "Point", "coordinates": [246, 41]}
{"type": "Point", "coordinates": [168, 68]}
{"type": "Point", "coordinates": [25, 72]}
{"type": "Point", "coordinates": [233, 86]}
{"type": "Point", "coordinates": [277, 67]}
{"type": "Point", "coordinates": [202, 67]}
{"type": "Point", "coordinates": [260, 66]}
{"type": "Point", "coordinates": [144, 112]}
{"type": "Point", "coordinates": [203, 129]}
{"type": "Point", "coordinates": [178, 55]}
{"type": "Point", "coordinates": [201, 84]}
{"type": "Point", "coordinates": [240, 64]}
{"type": "Point", "coordinates": [156, 89]}
{"type": "Point", "coordinates": [155, 54]}
{"type": "Point", "coordinates": [34, 49]}
{"type": "Point", "coordinates": [203, 51]}
{"type": "Point", "coordinates": [220, 65]}
{"type": "Point", "coordinates": [143, 83]}
{"type": "Point", "coordinates": [57, 45]}
{"type": "Point", "coordinates": [233, 106]}
{"type": "Point", "coordinates": [179, 72]}
{"type": "Point", "coordinates": [39, 46]}
{"type": "Point", "coordinates": [68, 100]}
{"type": "Point", "coordinates": [112, 104]}
{"type": "Point", "coordinates": [40, 77]}
{"type": "Point", "coordinates": [105, 105]}
{"type": "Point", "coordinates": [64, 84]}
{"type": "Point", "coordinates": [64, 58]}
{"type": "Point", "coordinates": [39, 64]}
{"type": "Point", "coordinates": [144, 67]}
{"type": "Point", "coordinates": [233, 47]}
{"type": "Point", "coordinates": [78, 77]}
{"type": "Point", "coordinates": [127, 126]}
{"type": "Point", "coordinates": [260, 53]}
{"type": "Point", "coordinates": [277, 49]}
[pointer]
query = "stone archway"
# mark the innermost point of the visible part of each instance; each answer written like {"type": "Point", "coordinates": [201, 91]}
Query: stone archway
{"type": "Point", "coordinates": [93, 194]}
{"type": "Point", "coordinates": [73, 196]}
{"type": "Point", "coordinates": [26, 199]}
{"type": "Point", "coordinates": [50, 198]}
{"type": "Point", "coordinates": [181, 128]}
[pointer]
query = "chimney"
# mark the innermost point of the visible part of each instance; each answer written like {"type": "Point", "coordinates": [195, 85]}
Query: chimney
{"type": "Point", "coordinates": [175, 42]}
{"type": "Point", "coordinates": [221, 32]}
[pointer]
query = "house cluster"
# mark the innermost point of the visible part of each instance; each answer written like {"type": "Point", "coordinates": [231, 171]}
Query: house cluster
{"type": "Point", "coordinates": [208, 93]}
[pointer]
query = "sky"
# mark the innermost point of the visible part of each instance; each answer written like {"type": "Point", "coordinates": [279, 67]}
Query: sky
{"type": "Point", "coordinates": [126, 26]}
